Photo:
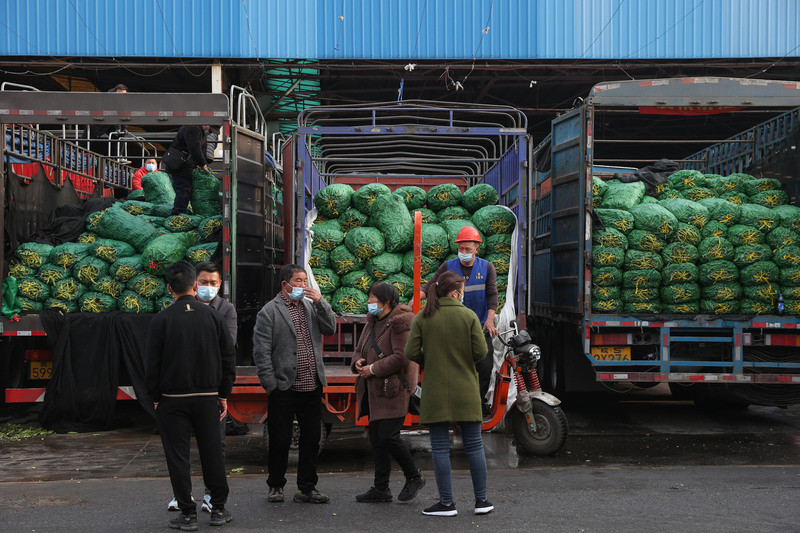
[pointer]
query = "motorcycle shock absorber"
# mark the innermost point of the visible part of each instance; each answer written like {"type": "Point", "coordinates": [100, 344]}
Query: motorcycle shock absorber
{"type": "Point", "coordinates": [533, 380]}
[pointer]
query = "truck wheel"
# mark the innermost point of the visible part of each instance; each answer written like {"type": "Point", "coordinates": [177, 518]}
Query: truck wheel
{"type": "Point", "coordinates": [551, 429]}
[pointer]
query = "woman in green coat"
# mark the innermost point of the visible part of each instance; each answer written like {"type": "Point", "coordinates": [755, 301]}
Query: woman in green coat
{"type": "Point", "coordinates": [447, 340]}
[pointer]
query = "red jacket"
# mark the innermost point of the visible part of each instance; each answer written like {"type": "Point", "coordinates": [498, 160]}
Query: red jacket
{"type": "Point", "coordinates": [137, 178]}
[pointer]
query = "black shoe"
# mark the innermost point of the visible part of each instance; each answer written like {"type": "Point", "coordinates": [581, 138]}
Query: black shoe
{"type": "Point", "coordinates": [374, 495]}
{"type": "Point", "coordinates": [184, 522]}
{"type": "Point", "coordinates": [311, 496]}
{"type": "Point", "coordinates": [483, 507]}
{"type": "Point", "coordinates": [219, 517]}
{"type": "Point", "coordinates": [439, 509]}
{"type": "Point", "coordinates": [275, 495]}
{"type": "Point", "coordinates": [411, 488]}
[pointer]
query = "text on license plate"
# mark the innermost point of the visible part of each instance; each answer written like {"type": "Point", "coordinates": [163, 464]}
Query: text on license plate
{"type": "Point", "coordinates": [611, 353]}
{"type": "Point", "coordinates": [40, 369]}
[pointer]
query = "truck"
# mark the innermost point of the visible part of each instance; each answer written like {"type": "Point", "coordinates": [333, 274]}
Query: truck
{"type": "Point", "coordinates": [715, 360]}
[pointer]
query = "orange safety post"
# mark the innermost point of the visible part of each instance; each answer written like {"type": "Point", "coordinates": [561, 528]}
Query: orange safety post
{"type": "Point", "coordinates": [417, 260]}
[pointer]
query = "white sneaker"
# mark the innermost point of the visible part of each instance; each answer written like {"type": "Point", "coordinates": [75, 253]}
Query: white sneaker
{"type": "Point", "coordinates": [173, 505]}
{"type": "Point", "coordinates": [206, 505]}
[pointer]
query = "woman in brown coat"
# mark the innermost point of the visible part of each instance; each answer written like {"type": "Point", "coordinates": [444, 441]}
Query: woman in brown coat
{"type": "Point", "coordinates": [385, 381]}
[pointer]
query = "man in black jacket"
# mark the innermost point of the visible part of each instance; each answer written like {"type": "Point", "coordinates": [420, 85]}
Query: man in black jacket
{"type": "Point", "coordinates": [190, 141]}
{"type": "Point", "coordinates": [191, 366]}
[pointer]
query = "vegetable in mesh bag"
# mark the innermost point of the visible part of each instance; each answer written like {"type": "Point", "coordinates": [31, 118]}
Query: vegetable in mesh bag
{"type": "Point", "coordinates": [638, 260]}
{"type": "Point", "coordinates": [434, 241]}
{"type": "Point", "coordinates": [93, 218]}
{"type": "Point", "coordinates": [68, 254]}
{"type": "Point", "coordinates": [641, 279]}
{"type": "Point", "coordinates": [648, 200]}
{"type": "Point", "coordinates": [481, 195]}
{"type": "Point", "coordinates": [135, 207]}
{"type": "Point", "coordinates": [205, 194]}
{"type": "Point", "coordinates": [755, 307]}
{"type": "Point", "coordinates": [165, 250]}
{"type": "Point", "coordinates": [502, 284]}
{"type": "Point", "coordinates": [780, 237]}
{"type": "Point", "coordinates": [359, 279]}
{"type": "Point", "coordinates": [120, 225]}
{"type": "Point", "coordinates": [414, 197]}
{"type": "Point", "coordinates": [334, 200]}
{"type": "Point", "coordinates": [655, 219]}
{"type": "Point", "coordinates": [138, 193]}
{"type": "Point", "coordinates": [327, 235]}
{"type": "Point", "coordinates": [33, 254]}
{"type": "Point", "coordinates": [686, 179]}
{"type": "Point", "coordinates": [110, 250]}
{"type": "Point", "coordinates": [319, 258]}
{"type": "Point", "coordinates": [722, 211]}
{"type": "Point", "coordinates": [714, 248]}
{"type": "Point", "coordinates": [755, 186]}
{"type": "Point", "coordinates": [157, 222]}
{"type": "Point", "coordinates": [52, 274]}
{"type": "Point", "coordinates": [735, 198]}
{"type": "Point", "coordinates": [209, 225]}
{"type": "Point", "coordinates": [607, 276]}
{"type": "Point", "coordinates": [87, 237]}
{"type": "Point", "coordinates": [349, 301]}
{"type": "Point", "coordinates": [788, 256]}
{"type": "Point", "coordinates": [791, 293]}
{"type": "Point", "coordinates": [382, 266]}
{"type": "Point", "coordinates": [452, 227]}
{"type": "Point", "coordinates": [148, 286]}
{"type": "Point", "coordinates": [108, 285]}
{"type": "Point", "coordinates": [500, 243]}
{"type": "Point", "coordinates": [19, 270]}
{"type": "Point", "coordinates": [711, 307]}
{"type": "Point", "coordinates": [791, 307]}
{"type": "Point", "coordinates": [719, 271]}
{"type": "Point", "coordinates": [687, 233]}
{"type": "Point", "coordinates": [365, 243]}
{"type": "Point", "coordinates": [714, 229]}
{"type": "Point", "coordinates": [343, 261]}
{"type": "Point", "coordinates": [502, 263]}
{"type": "Point", "coordinates": [404, 284]}
{"type": "Point", "coordinates": [645, 241]}
{"type": "Point", "coordinates": [770, 198]}
{"type": "Point", "coordinates": [352, 218]}
{"type": "Point", "coordinates": [61, 305]}
{"type": "Point", "coordinates": [642, 307]}
{"type": "Point", "coordinates": [126, 268]}
{"type": "Point", "coordinates": [453, 213]}
{"type": "Point", "coordinates": [759, 216]}
{"type": "Point", "coordinates": [680, 293]}
{"type": "Point", "coordinates": [730, 184]}
{"type": "Point", "coordinates": [390, 215]}
{"type": "Point", "coordinates": [639, 295]}
{"type": "Point", "coordinates": [764, 292]}
{"type": "Point", "coordinates": [428, 216]}
{"type": "Point", "coordinates": [613, 305]}
{"type": "Point", "coordinates": [327, 280]}
{"type": "Point", "coordinates": [161, 210]}
{"type": "Point", "coordinates": [790, 277]}
{"type": "Point", "coordinates": [741, 235]}
{"type": "Point", "coordinates": [130, 302]}
{"type": "Point", "coordinates": [759, 272]}
{"type": "Point", "coordinates": [679, 273]}
{"type": "Point", "coordinates": [687, 211]}
{"type": "Point", "coordinates": [599, 189]}
{"type": "Point", "coordinates": [747, 255]}
{"type": "Point", "coordinates": [788, 216]}
{"type": "Point", "coordinates": [686, 308]}
{"type": "Point", "coordinates": [183, 222]}
{"type": "Point", "coordinates": [89, 270]}
{"type": "Point", "coordinates": [606, 293]}
{"type": "Point", "coordinates": [96, 302]}
{"type": "Point", "coordinates": [494, 219]}
{"type": "Point", "coordinates": [157, 188]}
{"type": "Point", "coordinates": [427, 264]}
{"type": "Point", "coordinates": [367, 194]}
{"type": "Point", "coordinates": [669, 194]}
{"type": "Point", "coordinates": [443, 196]}
{"type": "Point", "coordinates": [699, 193]}
{"type": "Point", "coordinates": [680, 252]}
{"type": "Point", "coordinates": [201, 252]}
{"type": "Point", "coordinates": [616, 218]}
{"type": "Point", "coordinates": [722, 292]}
{"type": "Point", "coordinates": [623, 196]}
{"type": "Point", "coordinates": [159, 304]}
{"type": "Point", "coordinates": [33, 289]}
{"type": "Point", "coordinates": [68, 290]}
{"type": "Point", "coordinates": [26, 304]}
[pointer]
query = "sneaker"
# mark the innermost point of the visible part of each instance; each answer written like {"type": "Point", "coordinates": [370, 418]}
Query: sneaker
{"type": "Point", "coordinates": [206, 505]}
{"type": "Point", "coordinates": [440, 509]}
{"type": "Point", "coordinates": [411, 488]}
{"type": "Point", "coordinates": [184, 522]}
{"type": "Point", "coordinates": [219, 517]}
{"type": "Point", "coordinates": [173, 504]}
{"type": "Point", "coordinates": [311, 496]}
{"type": "Point", "coordinates": [275, 495]}
{"type": "Point", "coordinates": [374, 495]}
{"type": "Point", "coordinates": [483, 507]}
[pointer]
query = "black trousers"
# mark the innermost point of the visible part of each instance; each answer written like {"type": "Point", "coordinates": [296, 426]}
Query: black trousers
{"type": "Point", "coordinates": [484, 368]}
{"type": "Point", "coordinates": [182, 183]}
{"type": "Point", "coordinates": [176, 418]}
{"type": "Point", "coordinates": [284, 406]}
{"type": "Point", "coordinates": [387, 444]}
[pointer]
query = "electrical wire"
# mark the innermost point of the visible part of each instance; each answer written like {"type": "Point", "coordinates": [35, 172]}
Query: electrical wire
{"type": "Point", "coordinates": [171, 40]}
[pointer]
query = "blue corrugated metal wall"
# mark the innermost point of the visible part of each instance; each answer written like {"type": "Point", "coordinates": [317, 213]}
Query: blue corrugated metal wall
{"type": "Point", "coordinates": [388, 29]}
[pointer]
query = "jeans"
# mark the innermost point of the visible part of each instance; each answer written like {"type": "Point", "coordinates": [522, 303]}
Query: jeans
{"type": "Point", "coordinates": [387, 443]}
{"type": "Point", "coordinates": [473, 447]}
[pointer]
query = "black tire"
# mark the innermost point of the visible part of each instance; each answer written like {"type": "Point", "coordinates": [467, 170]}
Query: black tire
{"type": "Point", "coordinates": [552, 429]}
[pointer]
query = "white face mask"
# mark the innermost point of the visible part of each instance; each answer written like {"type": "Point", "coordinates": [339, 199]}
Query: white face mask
{"type": "Point", "coordinates": [464, 258]}
{"type": "Point", "coordinates": [150, 167]}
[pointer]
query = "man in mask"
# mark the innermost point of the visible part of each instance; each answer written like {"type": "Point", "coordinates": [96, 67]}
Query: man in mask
{"type": "Point", "coordinates": [287, 350]}
{"type": "Point", "coordinates": [150, 165]}
{"type": "Point", "coordinates": [480, 295]}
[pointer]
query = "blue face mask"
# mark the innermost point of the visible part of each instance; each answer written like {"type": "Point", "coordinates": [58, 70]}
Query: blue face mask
{"type": "Point", "coordinates": [206, 293]}
{"type": "Point", "coordinates": [297, 293]}
{"type": "Point", "coordinates": [373, 309]}
{"type": "Point", "coordinates": [150, 167]}
{"type": "Point", "coordinates": [464, 258]}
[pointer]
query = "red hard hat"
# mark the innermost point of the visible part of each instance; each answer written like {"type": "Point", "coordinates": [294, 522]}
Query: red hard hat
{"type": "Point", "coordinates": [468, 233]}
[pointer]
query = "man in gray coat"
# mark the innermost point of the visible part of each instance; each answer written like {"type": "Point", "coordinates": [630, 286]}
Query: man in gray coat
{"type": "Point", "coordinates": [287, 350]}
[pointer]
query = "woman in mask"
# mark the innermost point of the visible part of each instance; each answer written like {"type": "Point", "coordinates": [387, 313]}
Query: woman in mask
{"type": "Point", "coordinates": [386, 379]}
{"type": "Point", "coordinates": [150, 165]}
{"type": "Point", "coordinates": [447, 340]}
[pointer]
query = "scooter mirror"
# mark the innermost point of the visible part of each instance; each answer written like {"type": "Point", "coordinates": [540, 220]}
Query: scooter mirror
{"type": "Point", "coordinates": [513, 325]}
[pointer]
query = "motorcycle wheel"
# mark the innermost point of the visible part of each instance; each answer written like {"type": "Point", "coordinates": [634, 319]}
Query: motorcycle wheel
{"type": "Point", "coordinates": [551, 429]}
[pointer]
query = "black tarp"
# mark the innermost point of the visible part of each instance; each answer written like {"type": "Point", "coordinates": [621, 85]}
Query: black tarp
{"type": "Point", "coordinates": [88, 352]}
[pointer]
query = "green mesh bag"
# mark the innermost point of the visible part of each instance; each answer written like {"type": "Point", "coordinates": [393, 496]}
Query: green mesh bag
{"type": "Point", "coordinates": [52, 274]}
{"type": "Point", "coordinates": [687, 233]}
{"type": "Point", "coordinates": [790, 277]}
{"type": "Point", "coordinates": [209, 225]}
{"type": "Point", "coordinates": [722, 211]}
{"type": "Point", "coordinates": [641, 279]}
{"type": "Point", "coordinates": [130, 302]}
{"type": "Point", "coordinates": [68, 290]}
{"type": "Point", "coordinates": [645, 241]}
{"type": "Point", "coordinates": [352, 218]}
{"type": "Point", "coordinates": [670, 194]}
{"type": "Point", "coordinates": [110, 250]}
{"type": "Point", "coordinates": [729, 184]}
{"type": "Point", "coordinates": [118, 224]}
{"type": "Point", "coordinates": [616, 218]}
{"type": "Point", "coordinates": [434, 241]}
{"type": "Point", "coordinates": [791, 293]}
{"type": "Point", "coordinates": [679, 273]}
{"type": "Point", "coordinates": [327, 235]}
{"type": "Point", "coordinates": [788, 216]}
{"type": "Point", "coordinates": [741, 235]}
{"type": "Point", "coordinates": [792, 307]}
{"type": "Point", "coordinates": [607, 237]}
{"type": "Point", "coordinates": [18, 270]}
{"type": "Point", "coordinates": [699, 193]}
{"type": "Point", "coordinates": [333, 200]}
{"type": "Point", "coordinates": [157, 188]}
{"type": "Point", "coordinates": [452, 227]}
{"type": "Point", "coordinates": [642, 307]}
{"type": "Point", "coordinates": [428, 216]}
{"type": "Point", "coordinates": [613, 305]}
{"type": "Point", "coordinates": [735, 198]}
{"type": "Point", "coordinates": [92, 219]}
{"type": "Point", "coordinates": [33, 289]}
{"type": "Point", "coordinates": [639, 295]}
{"type": "Point", "coordinates": [606, 277]}
{"type": "Point", "coordinates": [165, 250]}
{"type": "Point", "coordinates": [343, 261]}
{"type": "Point", "coordinates": [390, 215]}
{"type": "Point", "coordinates": [89, 270]}
{"type": "Point", "coordinates": [662, 187]}
{"type": "Point", "coordinates": [26, 304]}
{"type": "Point", "coordinates": [108, 285]}
{"type": "Point", "coordinates": [96, 302]}
{"type": "Point", "coordinates": [606, 293]}
{"type": "Point", "coordinates": [680, 252]}
{"type": "Point", "coordinates": [201, 252]}
{"type": "Point", "coordinates": [722, 292]}
{"type": "Point", "coordinates": [713, 181]}
{"type": "Point", "coordinates": [137, 194]}
{"type": "Point", "coordinates": [747, 255]}
{"type": "Point", "coordinates": [788, 256]}
{"type": "Point", "coordinates": [33, 254]}
{"type": "Point", "coordinates": [494, 219]}
{"type": "Point", "coordinates": [687, 211]}
{"type": "Point", "coordinates": [60, 305]}
{"type": "Point", "coordinates": [453, 213]}
{"type": "Point", "coordinates": [649, 200]}
{"type": "Point", "coordinates": [205, 194]}
{"type": "Point", "coordinates": [604, 256]}
{"type": "Point", "coordinates": [177, 223]}
{"type": "Point", "coordinates": [502, 284]}
{"type": "Point", "coordinates": [427, 265]}
{"type": "Point", "coordinates": [159, 304]}
{"type": "Point", "coordinates": [414, 197]}
{"type": "Point", "coordinates": [68, 254]}
{"type": "Point", "coordinates": [359, 279]}
{"type": "Point", "coordinates": [365, 243]}
{"type": "Point", "coordinates": [764, 292]}
{"type": "Point", "coordinates": [599, 189]}
{"type": "Point", "coordinates": [755, 186]}
{"type": "Point", "coordinates": [126, 268]}
{"type": "Point", "coordinates": [349, 301]}
{"type": "Point", "coordinates": [404, 284]}
{"type": "Point", "coordinates": [443, 196]}
{"type": "Point", "coordinates": [759, 272]}
{"type": "Point", "coordinates": [86, 237]}
{"type": "Point", "coordinates": [161, 210]}
{"type": "Point", "coordinates": [367, 194]}
{"type": "Point", "coordinates": [157, 222]}
{"type": "Point", "coordinates": [500, 243]}
{"type": "Point", "coordinates": [384, 265]}
{"type": "Point", "coordinates": [719, 271]}
{"type": "Point", "coordinates": [623, 195]}
{"type": "Point", "coordinates": [781, 237]}
{"type": "Point", "coordinates": [711, 307]}
{"type": "Point", "coordinates": [755, 307]}
{"type": "Point", "coordinates": [148, 286]}
{"type": "Point", "coordinates": [136, 207]}
{"type": "Point", "coordinates": [636, 260]}
{"type": "Point", "coordinates": [770, 198]}
{"type": "Point", "coordinates": [759, 216]}
{"type": "Point", "coordinates": [327, 280]}
{"type": "Point", "coordinates": [714, 229]}
{"type": "Point", "coordinates": [680, 293]}
{"type": "Point", "coordinates": [686, 308]}
{"type": "Point", "coordinates": [686, 179]}
{"type": "Point", "coordinates": [714, 248]}
{"type": "Point", "coordinates": [502, 263]}
{"type": "Point", "coordinates": [319, 258]}
{"type": "Point", "coordinates": [481, 195]}
{"type": "Point", "coordinates": [655, 219]}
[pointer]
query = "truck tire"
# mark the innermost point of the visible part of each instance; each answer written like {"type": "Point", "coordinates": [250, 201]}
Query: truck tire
{"type": "Point", "coordinates": [552, 429]}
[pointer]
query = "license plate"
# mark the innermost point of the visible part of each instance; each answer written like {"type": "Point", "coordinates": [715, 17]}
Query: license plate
{"type": "Point", "coordinates": [40, 370]}
{"type": "Point", "coordinates": [611, 353]}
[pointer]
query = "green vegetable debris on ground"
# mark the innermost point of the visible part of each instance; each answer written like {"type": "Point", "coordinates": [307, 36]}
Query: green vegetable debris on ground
{"type": "Point", "coordinates": [17, 432]}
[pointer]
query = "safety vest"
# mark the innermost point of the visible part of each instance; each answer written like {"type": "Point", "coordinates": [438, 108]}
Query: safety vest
{"type": "Point", "coordinates": [475, 288]}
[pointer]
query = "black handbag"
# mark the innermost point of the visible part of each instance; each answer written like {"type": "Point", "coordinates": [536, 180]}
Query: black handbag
{"type": "Point", "coordinates": [175, 159]}
{"type": "Point", "coordinates": [416, 395]}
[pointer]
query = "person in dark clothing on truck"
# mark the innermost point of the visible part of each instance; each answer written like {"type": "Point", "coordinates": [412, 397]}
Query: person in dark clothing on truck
{"type": "Point", "coordinates": [189, 372]}
{"type": "Point", "coordinates": [188, 151]}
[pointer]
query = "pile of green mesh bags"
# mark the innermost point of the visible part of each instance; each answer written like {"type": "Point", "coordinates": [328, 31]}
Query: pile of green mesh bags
{"type": "Point", "coordinates": [706, 244]}
{"type": "Point", "coordinates": [366, 235]}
